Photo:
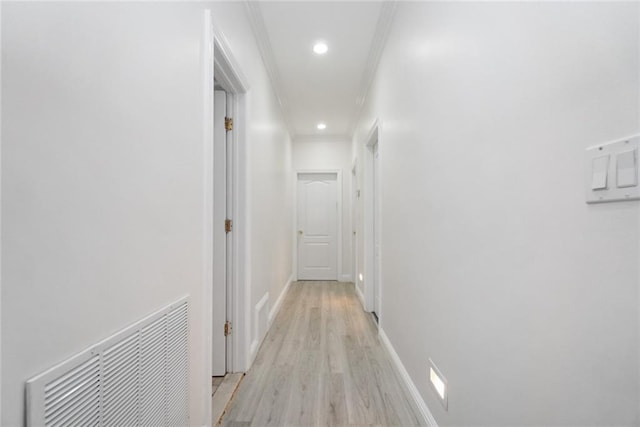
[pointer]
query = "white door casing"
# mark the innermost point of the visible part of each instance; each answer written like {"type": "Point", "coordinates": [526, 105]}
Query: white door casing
{"type": "Point", "coordinates": [317, 217]}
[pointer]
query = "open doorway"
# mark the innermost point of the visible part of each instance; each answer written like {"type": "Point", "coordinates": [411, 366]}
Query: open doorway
{"type": "Point", "coordinates": [372, 225]}
{"type": "Point", "coordinates": [376, 230]}
{"type": "Point", "coordinates": [225, 192]}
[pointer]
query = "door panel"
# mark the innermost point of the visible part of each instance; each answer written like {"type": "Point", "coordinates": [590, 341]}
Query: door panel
{"type": "Point", "coordinates": [317, 226]}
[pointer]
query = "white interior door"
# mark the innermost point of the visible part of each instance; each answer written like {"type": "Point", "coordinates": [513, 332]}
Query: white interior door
{"type": "Point", "coordinates": [317, 226]}
{"type": "Point", "coordinates": [219, 340]}
{"type": "Point", "coordinates": [376, 231]}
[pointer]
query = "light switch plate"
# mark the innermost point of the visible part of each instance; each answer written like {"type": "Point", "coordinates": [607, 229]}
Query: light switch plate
{"type": "Point", "coordinates": [611, 171]}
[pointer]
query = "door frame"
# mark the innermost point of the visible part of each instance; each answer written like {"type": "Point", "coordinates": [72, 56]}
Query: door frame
{"type": "Point", "coordinates": [371, 204]}
{"type": "Point", "coordinates": [219, 63]}
{"type": "Point", "coordinates": [229, 75]}
{"type": "Point", "coordinates": [339, 236]}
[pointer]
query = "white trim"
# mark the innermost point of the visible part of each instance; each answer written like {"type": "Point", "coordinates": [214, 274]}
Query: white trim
{"type": "Point", "coordinates": [426, 414]}
{"type": "Point", "coordinates": [355, 206]}
{"type": "Point", "coordinates": [346, 277]}
{"type": "Point", "coordinates": [338, 173]}
{"type": "Point", "coordinates": [278, 304]}
{"type": "Point", "coordinates": [253, 351]}
{"type": "Point", "coordinates": [360, 296]}
{"type": "Point", "coordinates": [228, 73]}
{"type": "Point", "coordinates": [256, 319]}
{"type": "Point", "coordinates": [257, 337]}
{"type": "Point", "coordinates": [227, 70]}
{"type": "Point", "coordinates": [207, 58]}
{"type": "Point", "coordinates": [380, 37]}
{"type": "Point", "coordinates": [367, 218]}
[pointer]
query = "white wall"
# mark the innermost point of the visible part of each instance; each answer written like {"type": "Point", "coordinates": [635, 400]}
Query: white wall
{"type": "Point", "coordinates": [331, 153]}
{"type": "Point", "coordinates": [102, 178]}
{"type": "Point", "coordinates": [269, 218]}
{"type": "Point", "coordinates": [524, 296]}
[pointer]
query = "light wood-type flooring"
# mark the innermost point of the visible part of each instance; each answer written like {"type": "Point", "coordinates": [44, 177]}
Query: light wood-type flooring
{"type": "Point", "coordinates": [321, 364]}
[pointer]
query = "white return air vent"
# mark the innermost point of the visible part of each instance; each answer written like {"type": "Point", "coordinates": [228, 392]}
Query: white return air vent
{"type": "Point", "coordinates": [138, 376]}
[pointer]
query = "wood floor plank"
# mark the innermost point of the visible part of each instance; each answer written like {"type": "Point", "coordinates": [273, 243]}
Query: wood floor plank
{"type": "Point", "coordinates": [223, 394]}
{"type": "Point", "coordinates": [302, 408]}
{"type": "Point", "coordinates": [321, 364]}
{"type": "Point", "coordinates": [333, 406]}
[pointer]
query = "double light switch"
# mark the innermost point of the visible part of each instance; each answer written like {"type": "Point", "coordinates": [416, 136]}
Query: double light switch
{"type": "Point", "coordinates": [612, 171]}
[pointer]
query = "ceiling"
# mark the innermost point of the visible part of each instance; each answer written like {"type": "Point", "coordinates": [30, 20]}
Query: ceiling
{"type": "Point", "coordinates": [327, 88]}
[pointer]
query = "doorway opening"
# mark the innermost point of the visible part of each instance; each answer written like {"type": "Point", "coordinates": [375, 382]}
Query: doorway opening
{"type": "Point", "coordinates": [372, 226]}
{"type": "Point", "coordinates": [225, 230]}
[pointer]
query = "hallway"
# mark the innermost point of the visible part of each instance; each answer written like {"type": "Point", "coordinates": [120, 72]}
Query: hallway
{"type": "Point", "coordinates": [447, 165]}
{"type": "Point", "coordinates": [321, 364]}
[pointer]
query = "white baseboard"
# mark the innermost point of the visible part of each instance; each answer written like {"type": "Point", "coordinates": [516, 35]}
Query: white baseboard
{"type": "Point", "coordinates": [273, 312]}
{"type": "Point", "coordinates": [260, 325]}
{"type": "Point", "coordinates": [427, 416]}
{"type": "Point", "coordinates": [253, 352]}
{"type": "Point", "coordinates": [360, 297]}
{"type": "Point", "coordinates": [346, 278]}
{"type": "Point", "coordinates": [276, 307]}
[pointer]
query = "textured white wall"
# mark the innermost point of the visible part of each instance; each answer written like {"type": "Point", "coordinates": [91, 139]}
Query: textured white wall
{"type": "Point", "coordinates": [331, 154]}
{"type": "Point", "coordinates": [102, 178]}
{"type": "Point", "coordinates": [524, 296]}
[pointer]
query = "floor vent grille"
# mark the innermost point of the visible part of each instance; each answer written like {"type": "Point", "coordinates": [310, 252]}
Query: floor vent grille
{"type": "Point", "coordinates": [138, 376]}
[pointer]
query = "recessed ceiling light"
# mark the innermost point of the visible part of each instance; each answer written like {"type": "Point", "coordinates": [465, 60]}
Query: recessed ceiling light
{"type": "Point", "coordinates": [320, 48]}
{"type": "Point", "coordinates": [321, 126]}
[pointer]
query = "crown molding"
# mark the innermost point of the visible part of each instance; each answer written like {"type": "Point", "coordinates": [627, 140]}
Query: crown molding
{"type": "Point", "coordinates": [378, 44]}
{"type": "Point", "coordinates": [261, 35]}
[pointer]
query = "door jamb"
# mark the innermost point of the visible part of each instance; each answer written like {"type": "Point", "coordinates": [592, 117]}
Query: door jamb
{"type": "Point", "coordinates": [368, 221]}
{"type": "Point", "coordinates": [339, 236]}
{"type": "Point", "coordinates": [355, 201]}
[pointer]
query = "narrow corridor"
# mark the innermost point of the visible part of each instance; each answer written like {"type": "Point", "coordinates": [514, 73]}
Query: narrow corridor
{"type": "Point", "coordinates": [321, 364]}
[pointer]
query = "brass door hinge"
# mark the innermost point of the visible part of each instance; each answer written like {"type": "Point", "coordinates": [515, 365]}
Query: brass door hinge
{"type": "Point", "coordinates": [227, 328]}
{"type": "Point", "coordinates": [228, 225]}
{"type": "Point", "coordinates": [228, 124]}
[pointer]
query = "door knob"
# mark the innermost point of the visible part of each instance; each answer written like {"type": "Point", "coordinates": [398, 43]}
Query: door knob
{"type": "Point", "coordinates": [300, 232]}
